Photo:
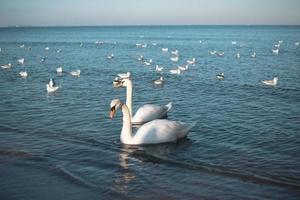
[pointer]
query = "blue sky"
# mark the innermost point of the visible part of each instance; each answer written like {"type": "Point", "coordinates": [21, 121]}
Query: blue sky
{"type": "Point", "coordinates": [148, 12]}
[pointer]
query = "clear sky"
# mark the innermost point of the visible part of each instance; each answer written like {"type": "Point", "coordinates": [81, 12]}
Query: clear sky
{"type": "Point", "coordinates": [148, 12]}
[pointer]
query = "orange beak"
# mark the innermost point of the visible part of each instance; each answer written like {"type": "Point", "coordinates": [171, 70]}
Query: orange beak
{"type": "Point", "coordinates": [112, 113]}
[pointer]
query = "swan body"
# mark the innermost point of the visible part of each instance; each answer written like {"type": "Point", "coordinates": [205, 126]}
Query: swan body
{"type": "Point", "coordinates": [21, 61]}
{"type": "Point", "coordinates": [160, 81]}
{"type": "Point", "coordinates": [191, 62]}
{"type": "Point", "coordinates": [159, 69]}
{"type": "Point", "coordinates": [174, 59]}
{"type": "Point", "coordinates": [153, 132]}
{"type": "Point", "coordinates": [271, 82]}
{"type": "Point", "coordinates": [23, 74]}
{"type": "Point", "coordinates": [59, 70]}
{"type": "Point", "coordinates": [7, 66]}
{"type": "Point", "coordinates": [164, 49]}
{"type": "Point", "coordinates": [75, 73]}
{"type": "Point", "coordinates": [213, 52]}
{"type": "Point", "coordinates": [147, 112]}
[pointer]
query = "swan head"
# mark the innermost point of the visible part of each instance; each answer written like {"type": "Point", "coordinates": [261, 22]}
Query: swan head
{"type": "Point", "coordinates": [115, 104]}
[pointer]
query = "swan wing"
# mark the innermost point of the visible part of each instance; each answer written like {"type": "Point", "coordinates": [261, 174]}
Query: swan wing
{"type": "Point", "coordinates": [150, 112]}
{"type": "Point", "coordinates": [161, 131]}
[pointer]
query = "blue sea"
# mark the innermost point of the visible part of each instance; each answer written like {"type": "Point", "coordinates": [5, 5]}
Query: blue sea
{"type": "Point", "coordinates": [63, 145]}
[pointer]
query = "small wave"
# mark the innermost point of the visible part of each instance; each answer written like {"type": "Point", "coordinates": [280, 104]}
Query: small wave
{"type": "Point", "coordinates": [216, 170]}
{"type": "Point", "coordinates": [61, 171]}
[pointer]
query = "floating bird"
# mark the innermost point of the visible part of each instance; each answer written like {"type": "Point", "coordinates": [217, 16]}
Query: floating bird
{"type": "Point", "coordinates": [174, 59]}
{"type": "Point", "coordinates": [253, 55]}
{"type": "Point", "coordinates": [297, 43]}
{"type": "Point", "coordinates": [144, 46]}
{"type": "Point", "coordinates": [275, 51]}
{"type": "Point", "coordinates": [75, 73]}
{"type": "Point", "coordinates": [159, 69]}
{"type": "Point", "coordinates": [111, 56]}
{"type": "Point", "coordinates": [153, 132]}
{"type": "Point", "coordinates": [160, 81]}
{"type": "Point", "coordinates": [58, 50]}
{"type": "Point", "coordinates": [213, 52]}
{"type": "Point", "coordinates": [59, 70]}
{"type": "Point", "coordinates": [220, 76]}
{"type": "Point", "coordinates": [22, 46]}
{"type": "Point", "coordinates": [7, 66]}
{"type": "Point", "coordinates": [234, 42]}
{"type": "Point", "coordinates": [43, 59]}
{"type": "Point", "coordinates": [23, 74]}
{"type": "Point", "coordinates": [21, 61]}
{"type": "Point", "coordinates": [148, 63]}
{"type": "Point", "coordinates": [220, 54]}
{"type": "Point", "coordinates": [47, 48]}
{"type": "Point", "coordinates": [124, 76]}
{"type": "Point", "coordinates": [138, 45]}
{"type": "Point", "coordinates": [238, 55]}
{"type": "Point", "coordinates": [141, 58]}
{"type": "Point", "coordinates": [191, 62]}
{"type": "Point", "coordinates": [51, 86]}
{"type": "Point", "coordinates": [185, 68]}
{"type": "Point", "coordinates": [175, 52]}
{"type": "Point", "coordinates": [164, 49]}
{"type": "Point", "coordinates": [271, 82]}
{"type": "Point", "coordinates": [175, 71]}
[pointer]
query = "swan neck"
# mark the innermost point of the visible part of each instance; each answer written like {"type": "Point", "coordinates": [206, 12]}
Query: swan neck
{"type": "Point", "coordinates": [129, 97]}
{"type": "Point", "coordinates": [126, 133]}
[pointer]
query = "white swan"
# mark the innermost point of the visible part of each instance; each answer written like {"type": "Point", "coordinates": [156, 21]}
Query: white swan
{"type": "Point", "coordinates": [126, 75]}
{"type": "Point", "coordinates": [159, 69]}
{"type": "Point", "coordinates": [148, 63]}
{"type": "Point", "coordinates": [191, 62]}
{"type": "Point", "coordinates": [160, 81]}
{"type": "Point", "coordinates": [213, 52]}
{"type": "Point", "coordinates": [59, 70]}
{"type": "Point", "coordinates": [75, 73]}
{"type": "Point", "coordinates": [220, 54]}
{"type": "Point", "coordinates": [147, 112]}
{"type": "Point", "coordinates": [21, 61]}
{"type": "Point", "coordinates": [47, 48]}
{"type": "Point", "coordinates": [164, 49]}
{"type": "Point", "coordinates": [271, 82]}
{"type": "Point", "coordinates": [23, 74]}
{"type": "Point", "coordinates": [51, 86]}
{"type": "Point", "coordinates": [153, 132]}
{"type": "Point", "coordinates": [7, 66]}
{"type": "Point", "coordinates": [220, 76]}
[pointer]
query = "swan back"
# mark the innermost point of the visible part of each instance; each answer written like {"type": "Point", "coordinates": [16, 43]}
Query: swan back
{"type": "Point", "coordinates": [160, 131]}
{"type": "Point", "coordinates": [150, 112]}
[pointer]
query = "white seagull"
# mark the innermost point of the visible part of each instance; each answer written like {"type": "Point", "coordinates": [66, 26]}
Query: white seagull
{"type": "Point", "coordinates": [271, 82]}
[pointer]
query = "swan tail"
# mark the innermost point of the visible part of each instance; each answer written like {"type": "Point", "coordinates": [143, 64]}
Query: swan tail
{"type": "Point", "coordinates": [169, 106]}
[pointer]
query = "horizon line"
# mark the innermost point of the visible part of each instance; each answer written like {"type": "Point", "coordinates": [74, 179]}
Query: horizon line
{"type": "Point", "coordinates": [136, 25]}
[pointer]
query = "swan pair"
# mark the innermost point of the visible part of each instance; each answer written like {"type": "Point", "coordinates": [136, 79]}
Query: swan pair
{"type": "Point", "coordinates": [147, 112]}
{"type": "Point", "coordinates": [153, 132]}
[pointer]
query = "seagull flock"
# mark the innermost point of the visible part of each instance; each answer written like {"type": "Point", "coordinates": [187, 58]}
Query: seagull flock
{"type": "Point", "coordinates": [174, 58]}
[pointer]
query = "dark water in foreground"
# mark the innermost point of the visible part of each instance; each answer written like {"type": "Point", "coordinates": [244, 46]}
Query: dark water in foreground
{"type": "Point", "coordinates": [246, 143]}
